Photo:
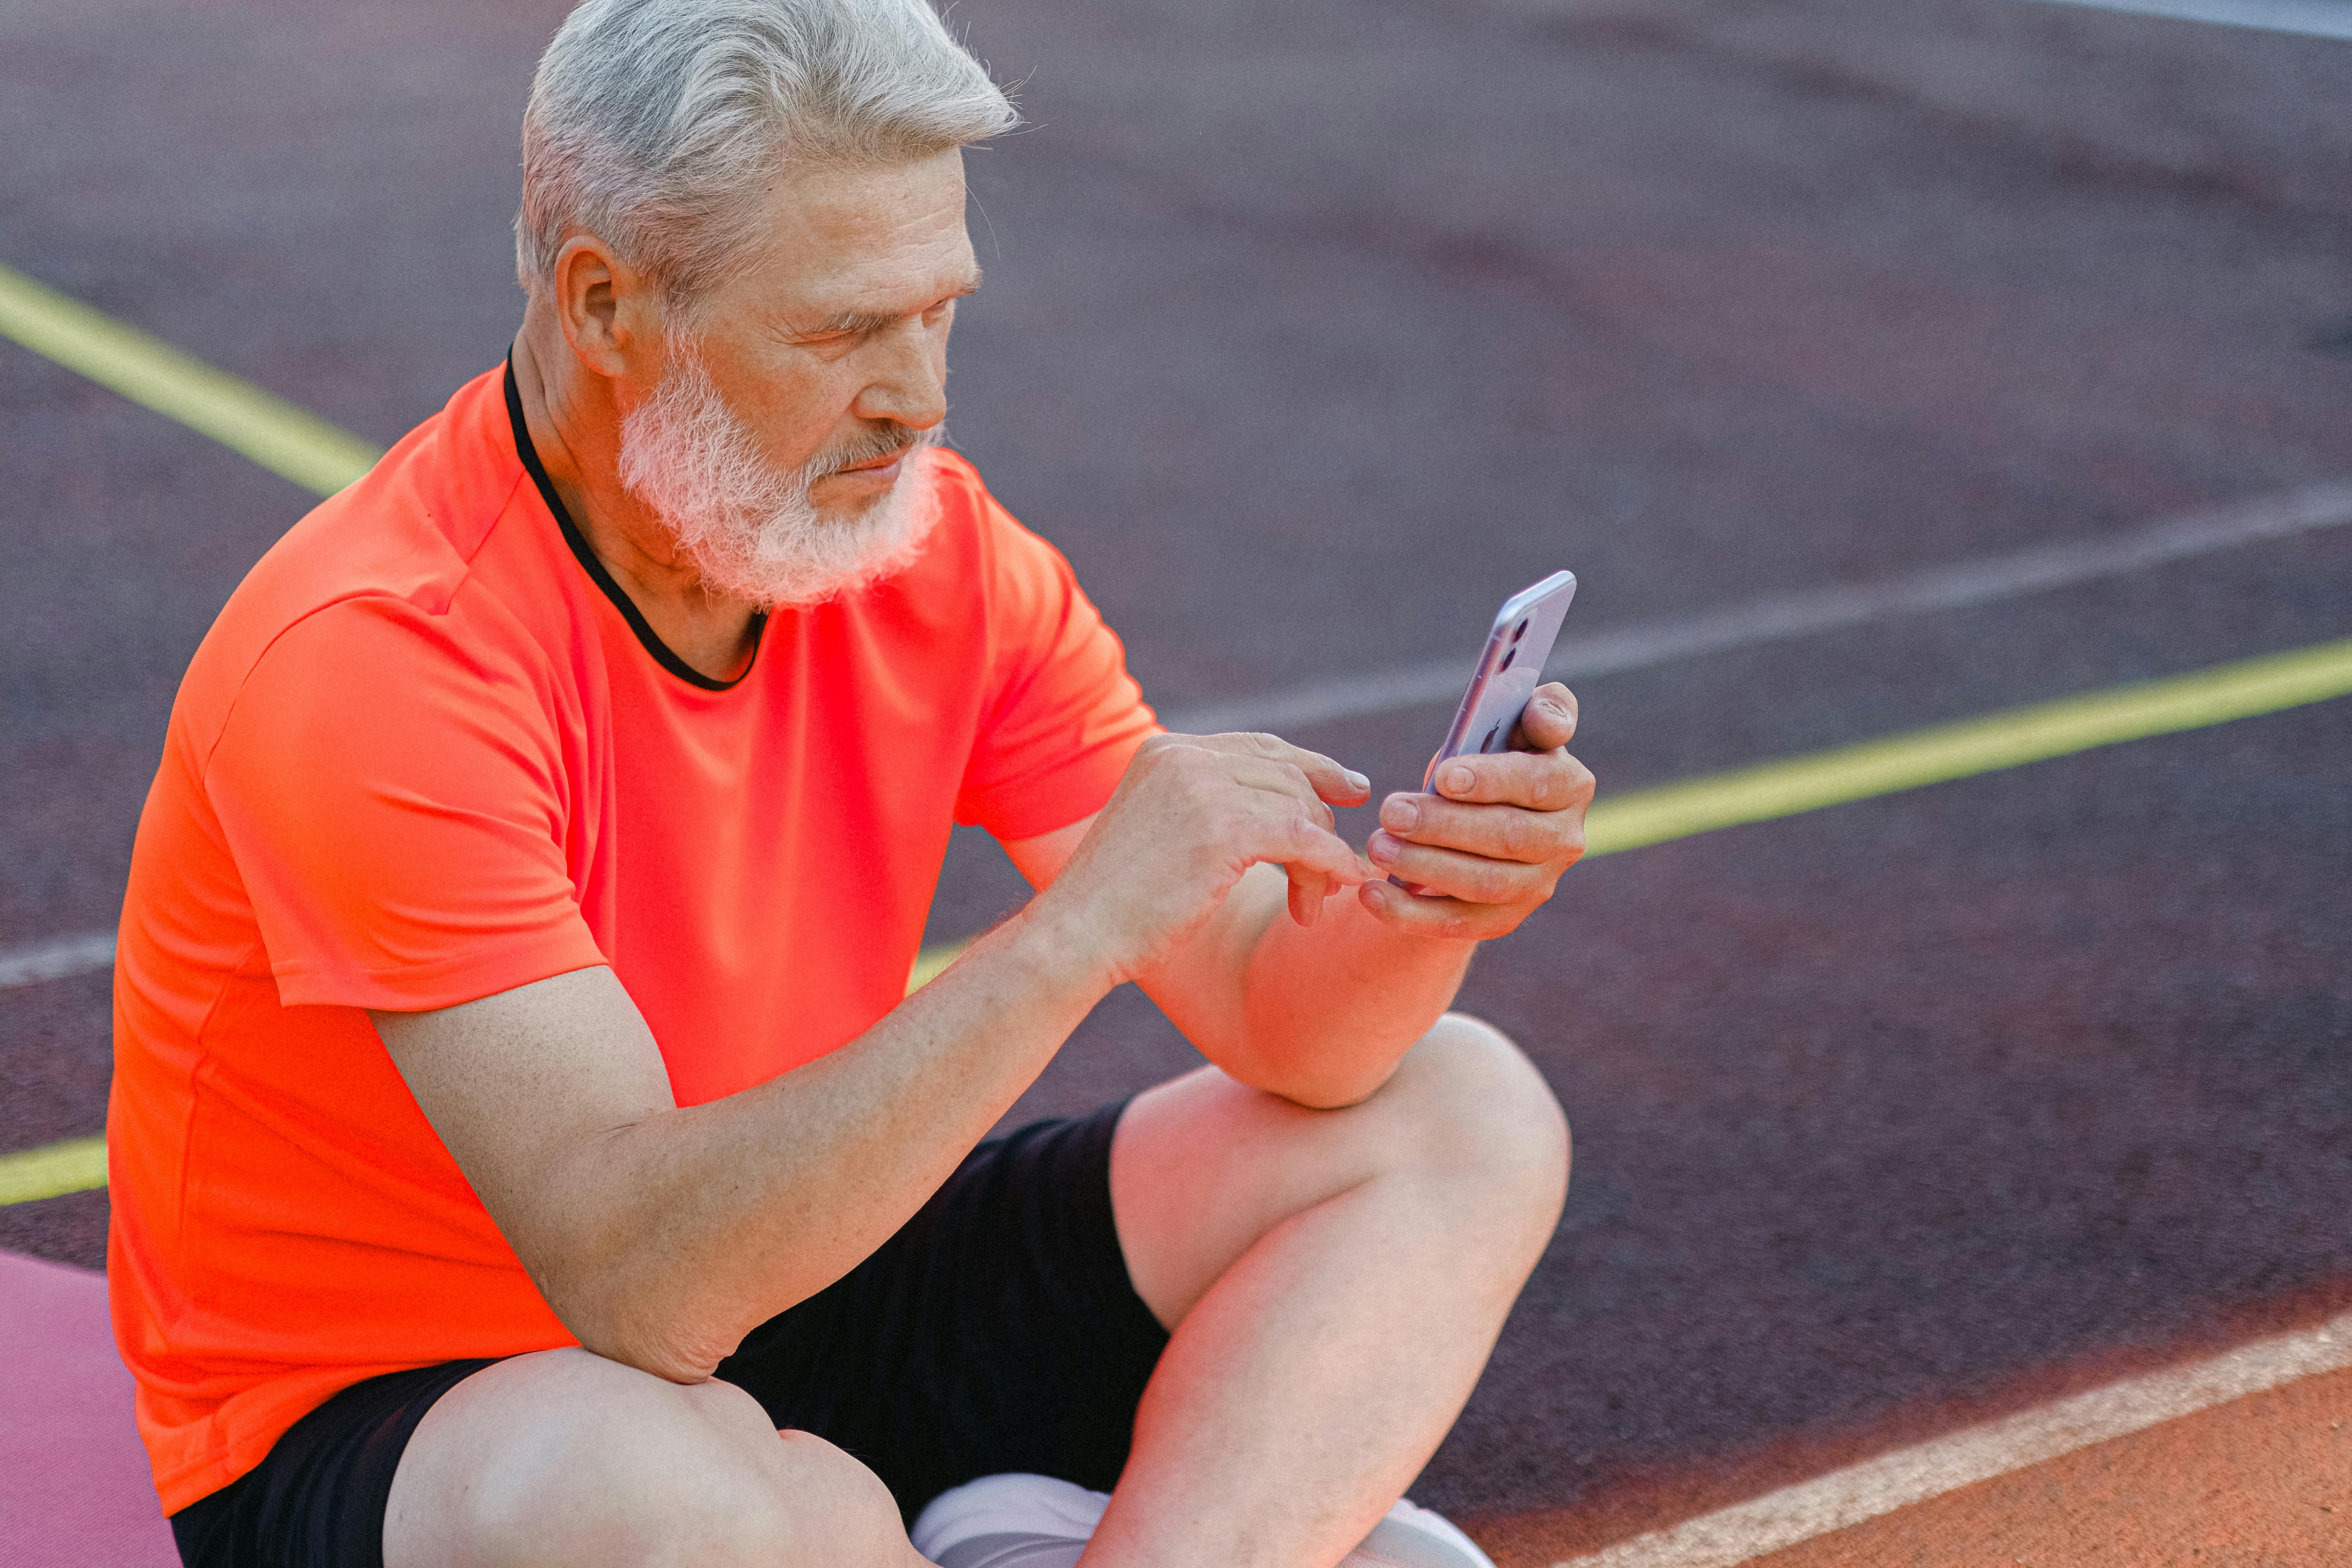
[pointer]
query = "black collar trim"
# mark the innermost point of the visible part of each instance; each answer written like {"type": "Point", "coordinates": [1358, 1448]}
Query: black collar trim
{"type": "Point", "coordinates": [595, 568]}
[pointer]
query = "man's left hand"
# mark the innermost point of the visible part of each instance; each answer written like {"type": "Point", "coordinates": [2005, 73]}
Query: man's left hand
{"type": "Point", "coordinates": [1488, 846]}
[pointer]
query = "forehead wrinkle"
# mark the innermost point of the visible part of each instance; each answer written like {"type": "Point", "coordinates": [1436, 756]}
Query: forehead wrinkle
{"type": "Point", "coordinates": [854, 320]}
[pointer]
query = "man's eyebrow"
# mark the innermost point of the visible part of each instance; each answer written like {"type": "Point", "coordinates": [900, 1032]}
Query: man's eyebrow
{"type": "Point", "coordinates": [860, 322]}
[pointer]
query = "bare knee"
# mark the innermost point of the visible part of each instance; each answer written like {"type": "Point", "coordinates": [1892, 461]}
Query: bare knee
{"type": "Point", "coordinates": [589, 1462]}
{"type": "Point", "coordinates": [1480, 1113]}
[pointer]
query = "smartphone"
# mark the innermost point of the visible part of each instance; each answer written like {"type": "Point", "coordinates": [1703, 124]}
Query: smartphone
{"type": "Point", "coordinates": [1508, 673]}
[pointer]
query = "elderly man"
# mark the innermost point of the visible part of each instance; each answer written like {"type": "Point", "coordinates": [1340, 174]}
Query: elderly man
{"type": "Point", "coordinates": [525, 1152]}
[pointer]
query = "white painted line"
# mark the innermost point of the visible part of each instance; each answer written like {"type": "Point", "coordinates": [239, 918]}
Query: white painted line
{"type": "Point", "coordinates": [1669, 638]}
{"type": "Point", "coordinates": [1880, 1486]}
{"type": "Point", "coordinates": [2311, 18]}
{"type": "Point", "coordinates": [56, 960]}
{"type": "Point", "coordinates": [95, 949]}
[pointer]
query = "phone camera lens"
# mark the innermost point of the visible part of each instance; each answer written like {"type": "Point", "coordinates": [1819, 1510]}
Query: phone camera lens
{"type": "Point", "coordinates": [1507, 661]}
{"type": "Point", "coordinates": [1518, 631]}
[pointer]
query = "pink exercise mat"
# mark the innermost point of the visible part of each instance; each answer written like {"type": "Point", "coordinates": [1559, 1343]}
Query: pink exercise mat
{"type": "Point", "coordinates": [74, 1485]}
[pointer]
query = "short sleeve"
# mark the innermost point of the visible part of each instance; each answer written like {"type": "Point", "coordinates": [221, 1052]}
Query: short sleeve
{"type": "Point", "coordinates": [1062, 718]}
{"type": "Point", "coordinates": [394, 800]}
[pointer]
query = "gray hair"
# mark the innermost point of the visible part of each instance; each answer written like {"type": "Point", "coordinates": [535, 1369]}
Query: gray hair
{"type": "Point", "coordinates": [654, 124]}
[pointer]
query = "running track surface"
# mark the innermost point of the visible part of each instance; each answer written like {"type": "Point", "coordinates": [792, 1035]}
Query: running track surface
{"type": "Point", "coordinates": [1306, 338]}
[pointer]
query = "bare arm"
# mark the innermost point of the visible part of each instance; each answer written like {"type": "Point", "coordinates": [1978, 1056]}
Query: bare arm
{"type": "Point", "coordinates": [662, 1235]}
{"type": "Point", "coordinates": [1320, 1012]}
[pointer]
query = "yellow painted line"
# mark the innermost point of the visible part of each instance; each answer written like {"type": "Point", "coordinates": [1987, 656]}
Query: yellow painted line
{"type": "Point", "coordinates": [2006, 740]}
{"type": "Point", "coordinates": [74, 1166]}
{"type": "Point", "coordinates": [1939, 755]}
{"type": "Point", "coordinates": [284, 439]}
{"type": "Point", "coordinates": [931, 960]}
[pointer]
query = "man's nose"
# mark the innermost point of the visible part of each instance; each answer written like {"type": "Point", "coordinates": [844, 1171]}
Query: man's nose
{"type": "Point", "coordinates": [908, 382]}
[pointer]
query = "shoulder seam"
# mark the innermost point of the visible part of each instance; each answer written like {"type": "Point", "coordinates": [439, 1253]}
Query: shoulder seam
{"type": "Point", "coordinates": [244, 677]}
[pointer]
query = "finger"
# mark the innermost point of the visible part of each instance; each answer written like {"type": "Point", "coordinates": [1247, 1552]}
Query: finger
{"type": "Point", "coordinates": [1285, 780]}
{"type": "Point", "coordinates": [1307, 892]}
{"type": "Point", "coordinates": [1264, 812]}
{"type": "Point", "coordinates": [1498, 832]}
{"type": "Point", "coordinates": [1327, 779]}
{"type": "Point", "coordinates": [1540, 781]}
{"type": "Point", "coordinates": [1472, 878]}
{"type": "Point", "coordinates": [1421, 915]}
{"type": "Point", "coordinates": [1548, 721]}
{"type": "Point", "coordinates": [1304, 846]}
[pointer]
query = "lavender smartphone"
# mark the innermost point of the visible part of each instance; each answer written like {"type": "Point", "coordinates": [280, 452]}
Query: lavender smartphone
{"type": "Point", "coordinates": [1508, 674]}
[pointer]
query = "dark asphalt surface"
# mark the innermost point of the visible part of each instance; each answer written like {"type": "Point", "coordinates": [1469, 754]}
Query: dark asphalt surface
{"type": "Point", "coordinates": [1308, 336]}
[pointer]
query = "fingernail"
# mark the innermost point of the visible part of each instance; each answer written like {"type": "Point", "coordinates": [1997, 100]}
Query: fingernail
{"type": "Point", "coordinates": [1457, 779]}
{"type": "Point", "coordinates": [1399, 815]}
{"type": "Point", "coordinates": [1359, 780]}
{"type": "Point", "coordinates": [1382, 848]}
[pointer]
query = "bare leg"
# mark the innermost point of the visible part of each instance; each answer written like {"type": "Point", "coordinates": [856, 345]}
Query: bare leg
{"type": "Point", "coordinates": [1335, 1281]}
{"type": "Point", "coordinates": [565, 1458]}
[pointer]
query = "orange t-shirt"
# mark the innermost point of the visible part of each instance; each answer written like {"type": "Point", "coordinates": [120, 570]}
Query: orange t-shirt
{"type": "Point", "coordinates": [425, 755]}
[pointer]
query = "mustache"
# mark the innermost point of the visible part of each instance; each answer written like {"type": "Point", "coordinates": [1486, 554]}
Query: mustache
{"type": "Point", "coordinates": [882, 438]}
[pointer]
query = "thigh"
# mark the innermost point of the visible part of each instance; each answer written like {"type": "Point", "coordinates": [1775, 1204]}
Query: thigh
{"type": "Point", "coordinates": [562, 1458]}
{"type": "Point", "coordinates": [317, 1500]}
{"type": "Point", "coordinates": [997, 1331]}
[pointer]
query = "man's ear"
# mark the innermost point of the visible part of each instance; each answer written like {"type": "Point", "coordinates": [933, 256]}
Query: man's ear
{"type": "Point", "coordinates": [611, 313]}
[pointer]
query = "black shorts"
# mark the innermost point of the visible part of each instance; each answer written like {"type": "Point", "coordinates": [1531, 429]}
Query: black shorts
{"type": "Point", "coordinates": [996, 1331]}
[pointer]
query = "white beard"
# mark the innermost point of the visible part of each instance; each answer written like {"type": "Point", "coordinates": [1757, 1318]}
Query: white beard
{"type": "Point", "coordinates": [750, 528]}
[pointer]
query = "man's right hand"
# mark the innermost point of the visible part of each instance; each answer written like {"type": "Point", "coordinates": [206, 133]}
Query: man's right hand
{"type": "Point", "coordinates": [1193, 813]}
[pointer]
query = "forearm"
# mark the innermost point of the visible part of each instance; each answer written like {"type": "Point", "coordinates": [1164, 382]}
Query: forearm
{"type": "Point", "coordinates": [696, 1225]}
{"type": "Point", "coordinates": [1320, 1015]}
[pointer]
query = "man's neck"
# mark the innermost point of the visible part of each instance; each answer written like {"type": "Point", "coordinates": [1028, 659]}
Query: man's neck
{"type": "Point", "coordinates": [577, 432]}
